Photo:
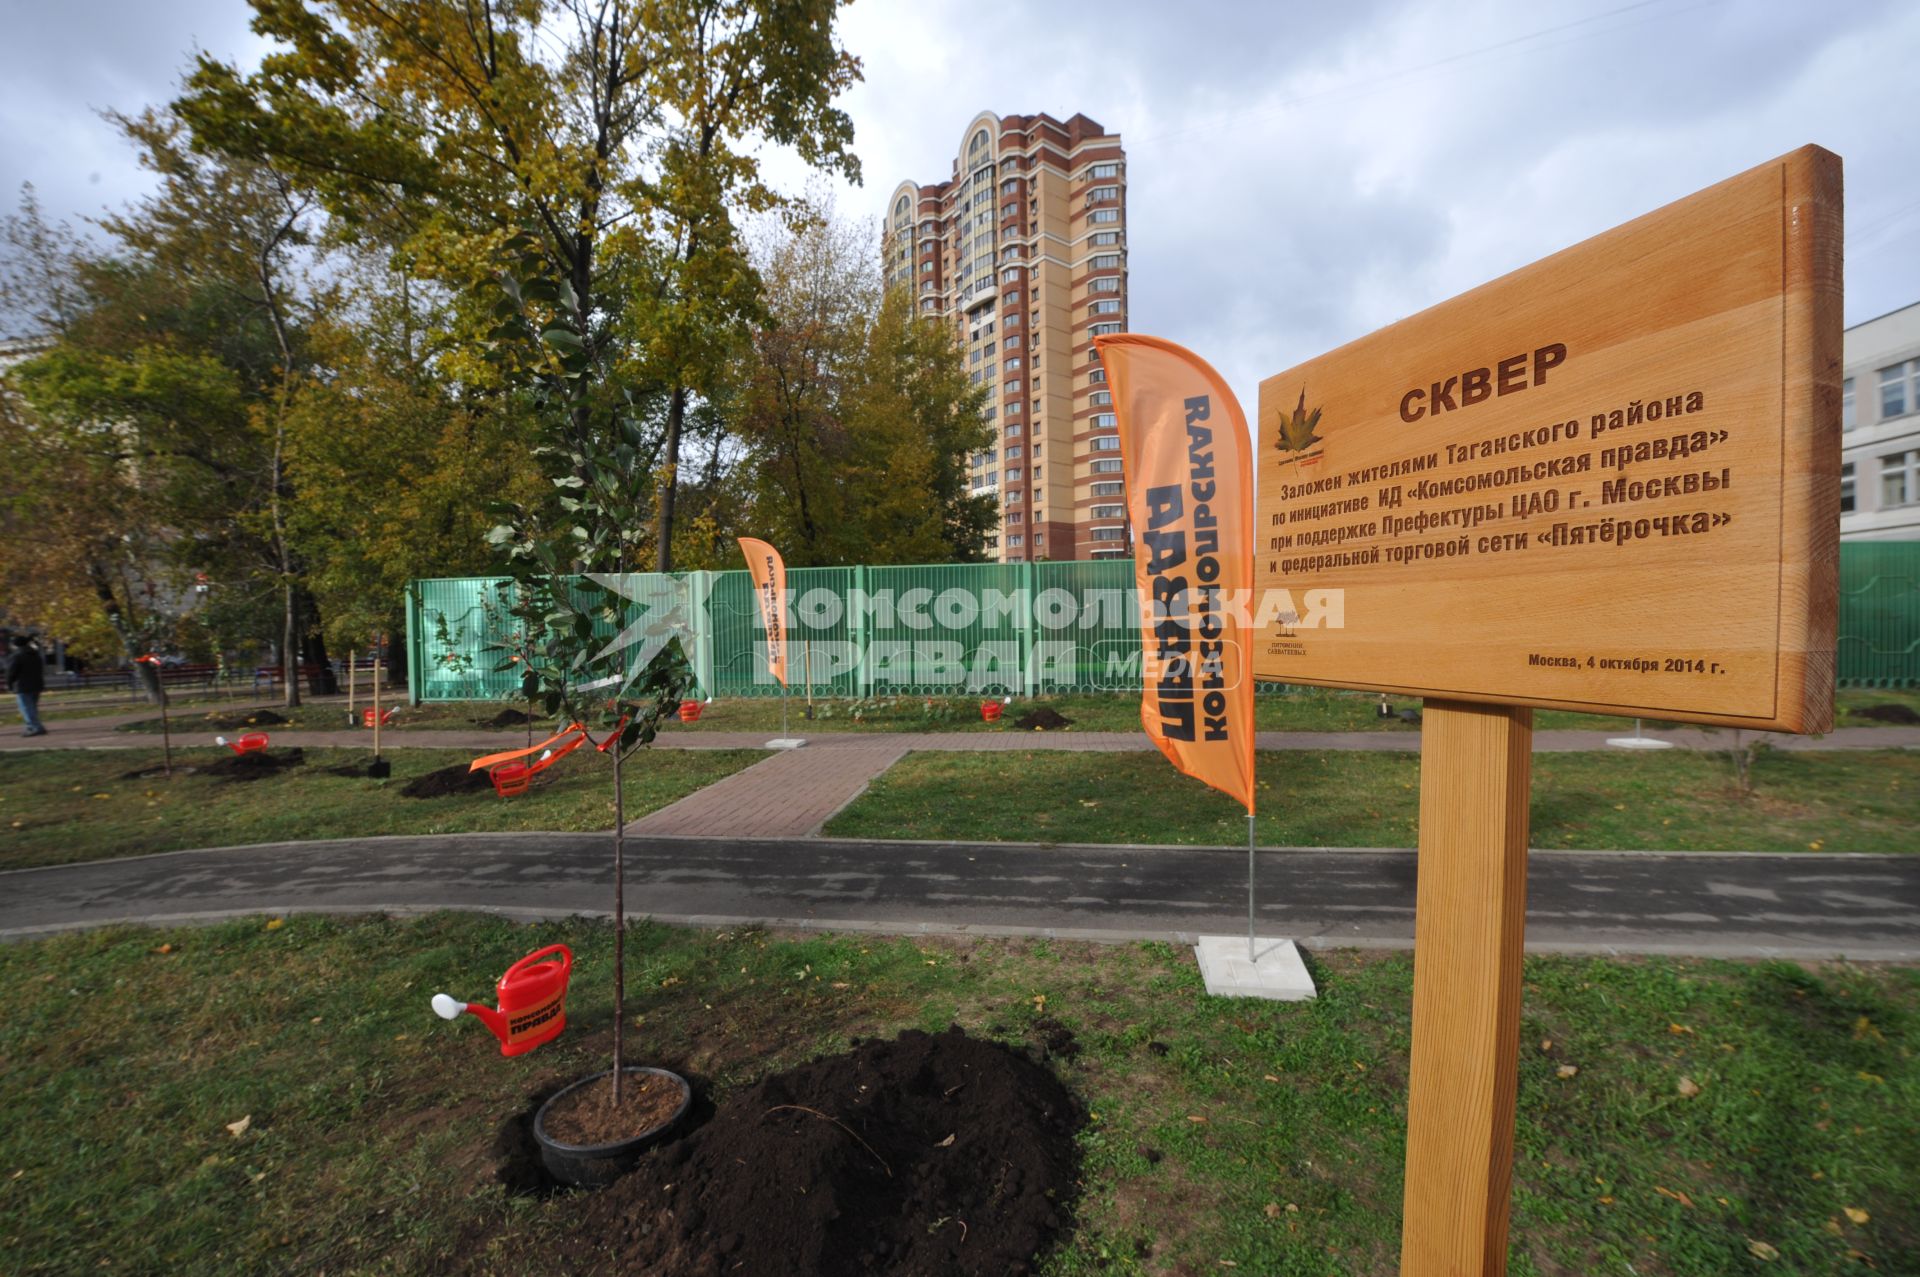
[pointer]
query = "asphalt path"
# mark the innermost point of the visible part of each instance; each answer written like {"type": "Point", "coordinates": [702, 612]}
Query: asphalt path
{"type": "Point", "coordinates": [1699, 903]}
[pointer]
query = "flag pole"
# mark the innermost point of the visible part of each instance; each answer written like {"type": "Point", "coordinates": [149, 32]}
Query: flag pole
{"type": "Point", "coordinates": [1250, 957]}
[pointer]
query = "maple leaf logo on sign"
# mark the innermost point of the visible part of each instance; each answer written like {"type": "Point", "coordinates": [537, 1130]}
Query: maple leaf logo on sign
{"type": "Point", "coordinates": [1297, 432]}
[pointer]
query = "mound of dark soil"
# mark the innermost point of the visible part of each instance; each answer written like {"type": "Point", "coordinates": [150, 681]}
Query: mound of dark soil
{"type": "Point", "coordinates": [505, 718]}
{"type": "Point", "coordinates": [1044, 719]}
{"type": "Point", "coordinates": [448, 780]}
{"type": "Point", "coordinates": [256, 765]}
{"type": "Point", "coordinates": [1889, 713]}
{"type": "Point", "coordinates": [240, 722]}
{"type": "Point", "coordinates": [933, 1155]}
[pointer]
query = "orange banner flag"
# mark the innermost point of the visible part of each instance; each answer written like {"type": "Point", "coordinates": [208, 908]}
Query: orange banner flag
{"type": "Point", "coordinates": [770, 587]}
{"type": "Point", "coordinates": [1188, 462]}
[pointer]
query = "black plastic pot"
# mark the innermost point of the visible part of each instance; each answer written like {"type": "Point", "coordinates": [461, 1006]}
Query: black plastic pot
{"type": "Point", "coordinates": [380, 769]}
{"type": "Point", "coordinates": [596, 1165]}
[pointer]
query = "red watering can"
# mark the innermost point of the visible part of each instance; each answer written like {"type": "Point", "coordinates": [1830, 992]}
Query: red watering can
{"type": "Point", "coordinates": [990, 711]}
{"type": "Point", "coordinates": [689, 711]}
{"type": "Point", "coordinates": [533, 1001]}
{"type": "Point", "coordinates": [247, 744]}
{"type": "Point", "coordinates": [366, 717]}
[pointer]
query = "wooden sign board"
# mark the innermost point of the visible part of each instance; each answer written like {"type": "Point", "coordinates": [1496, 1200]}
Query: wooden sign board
{"type": "Point", "coordinates": [1607, 482]}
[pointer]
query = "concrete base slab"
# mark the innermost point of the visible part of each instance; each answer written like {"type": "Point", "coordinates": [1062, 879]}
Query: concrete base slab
{"type": "Point", "coordinates": [786, 742]}
{"type": "Point", "coordinates": [1638, 742]}
{"type": "Point", "coordinates": [1276, 971]}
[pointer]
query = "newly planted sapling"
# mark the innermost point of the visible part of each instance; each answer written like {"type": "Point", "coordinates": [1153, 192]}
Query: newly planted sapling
{"type": "Point", "coordinates": [575, 635]}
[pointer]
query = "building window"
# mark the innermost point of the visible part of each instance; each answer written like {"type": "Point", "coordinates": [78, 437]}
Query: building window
{"type": "Point", "coordinates": [1111, 306]}
{"type": "Point", "coordinates": [1102, 421]}
{"type": "Point", "coordinates": [1849, 415]}
{"type": "Point", "coordinates": [1107, 534]}
{"type": "Point", "coordinates": [1900, 479]}
{"type": "Point", "coordinates": [1103, 195]}
{"type": "Point", "coordinates": [1016, 541]}
{"type": "Point", "coordinates": [1010, 187]}
{"type": "Point", "coordinates": [1846, 488]}
{"type": "Point", "coordinates": [1013, 475]}
{"type": "Point", "coordinates": [1012, 342]}
{"type": "Point", "coordinates": [1101, 330]}
{"type": "Point", "coordinates": [1108, 489]}
{"type": "Point", "coordinates": [1100, 239]}
{"type": "Point", "coordinates": [1013, 299]}
{"type": "Point", "coordinates": [993, 543]}
{"type": "Point", "coordinates": [1010, 276]}
{"type": "Point", "coordinates": [1100, 398]}
{"type": "Point", "coordinates": [1013, 408]}
{"type": "Point", "coordinates": [1010, 211]}
{"type": "Point", "coordinates": [927, 287]}
{"type": "Point", "coordinates": [1015, 451]}
{"type": "Point", "coordinates": [1104, 215]}
{"type": "Point", "coordinates": [1013, 363]}
{"type": "Point", "coordinates": [1104, 170]}
{"type": "Point", "coordinates": [1097, 376]}
{"type": "Point", "coordinates": [1108, 512]}
{"type": "Point", "coordinates": [1012, 387]}
{"type": "Point", "coordinates": [1900, 389]}
{"type": "Point", "coordinates": [1105, 443]}
{"type": "Point", "coordinates": [1105, 261]}
{"type": "Point", "coordinates": [1106, 465]}
{"type": "Point", "coordinates": [1015, 516]}
{"type": "Point", "coordinates": [1105, 284]}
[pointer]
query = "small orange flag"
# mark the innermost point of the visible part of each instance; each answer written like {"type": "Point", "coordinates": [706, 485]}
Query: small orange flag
{"type": "Point", "coordinates": [770, 587]}
{"type": "Point", "coordinates": [1188, 461]}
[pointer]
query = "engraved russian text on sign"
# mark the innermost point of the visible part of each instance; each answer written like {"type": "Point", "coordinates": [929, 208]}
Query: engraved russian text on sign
{"type": "Point", "coordinates": [1605, 482]}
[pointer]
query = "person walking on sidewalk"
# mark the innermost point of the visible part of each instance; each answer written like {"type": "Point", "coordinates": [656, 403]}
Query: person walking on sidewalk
{"type": "Point", "coordinates": [27, 678]}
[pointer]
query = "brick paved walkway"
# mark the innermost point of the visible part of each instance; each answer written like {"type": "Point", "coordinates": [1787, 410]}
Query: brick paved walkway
{"type": "Point", "coordinates": [790, 795]}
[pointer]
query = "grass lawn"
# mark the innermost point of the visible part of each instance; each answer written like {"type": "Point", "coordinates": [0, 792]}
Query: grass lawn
{"type": "Point", "coordinates": [1678, 800]}
{"type": "Point", "coordinates": [57, 706]}
{"type": "Point", "coordinates": [67, 805]}
{"type": "Point", "coordinates": [1261, 1135]}
{"type": "Point", "coordinates": [1306, 709]}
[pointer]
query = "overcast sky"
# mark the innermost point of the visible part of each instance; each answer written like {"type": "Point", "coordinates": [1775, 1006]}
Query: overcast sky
{"type": "Point", "coordinates": [1300, 173]}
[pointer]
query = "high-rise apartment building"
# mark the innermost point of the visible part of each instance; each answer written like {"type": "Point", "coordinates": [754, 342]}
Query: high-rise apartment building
{"type": "Point", "coordinates": [1024, 250]}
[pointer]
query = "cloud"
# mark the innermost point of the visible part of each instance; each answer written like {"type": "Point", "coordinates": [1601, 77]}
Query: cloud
{"type": "Point", "coordinates": [1302, 175]}
{"type": "Point", "coordinates": [63, 64]}
{"type": "Point", "coordinates": [1299, 174]}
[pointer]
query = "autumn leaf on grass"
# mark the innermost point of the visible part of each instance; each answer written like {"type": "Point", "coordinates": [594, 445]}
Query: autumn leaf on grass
{"type": "Point", "coordinates": [1682, 1198]}
{"type": "Point", "coordinates": [1297, 432]}
{"type": "Point", "coordinates": [1857, 1215]}
{"type": "Point", "coordinates": [1566, 1070]}
{"type": "Point", "coordinates": [1687, 1087]}
{"type": "Point", "coordinates": [239, 1128]}
{"type": "Point", "coordinates": [1760, 1250]}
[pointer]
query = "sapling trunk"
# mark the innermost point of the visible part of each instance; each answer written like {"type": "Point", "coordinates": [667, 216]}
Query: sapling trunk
{"type": "Point", "coordinates": [619, 922]}
{"type": "Point", "coordinates": [166, 732]}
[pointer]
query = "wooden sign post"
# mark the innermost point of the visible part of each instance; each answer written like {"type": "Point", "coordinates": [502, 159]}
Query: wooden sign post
{"type": "Point", "coordinates": [1608, 482]}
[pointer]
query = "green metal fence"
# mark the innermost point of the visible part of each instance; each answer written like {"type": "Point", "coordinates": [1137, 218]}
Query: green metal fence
{"type": "Point", "coordinates": [1879, 614]}
{"type": "Point", "coordinates": [1019, 628]}
{"type": "Point", "coordinates": [939, 629]}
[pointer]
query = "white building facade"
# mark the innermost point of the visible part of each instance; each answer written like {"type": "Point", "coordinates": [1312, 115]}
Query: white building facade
{"type": "Point", "coordinates": [1880, 429]}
